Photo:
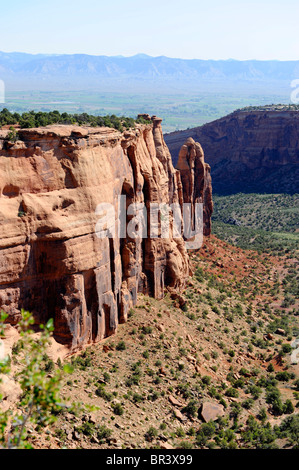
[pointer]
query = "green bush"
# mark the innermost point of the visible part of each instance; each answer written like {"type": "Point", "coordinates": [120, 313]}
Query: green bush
{"type": "Point", "coordinates": [289, 428]}
{"type": "Point", "coordinates": [232, 392]}
{"type": "Point", "coordinates": [151, 434]}
{"type": "Point", "coordinates": [191, 409]}
{"type": "Point", "coordinates": [117, 409]}
{"type": "Point", "coordinates": [121, 346]}
{"type": "Point", "coordinates": [101, 392]}
{"type": "Point", "coordinates": [103, 432]}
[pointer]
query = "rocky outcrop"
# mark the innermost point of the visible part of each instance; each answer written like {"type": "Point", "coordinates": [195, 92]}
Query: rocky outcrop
{"type": "Point", "coordinates": [196, 180]}
{"type": "Point", "coordinates": [249, 151]}
{"type": "Point", "coordinates": [52, 261]}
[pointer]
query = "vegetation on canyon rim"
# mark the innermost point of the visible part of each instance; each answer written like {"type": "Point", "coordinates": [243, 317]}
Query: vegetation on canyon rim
{"type": "Point", "coordinates": [33, 119]}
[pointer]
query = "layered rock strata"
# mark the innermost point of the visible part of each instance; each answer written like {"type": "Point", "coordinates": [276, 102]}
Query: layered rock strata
{"type": "Point", "coordinates": [196, 181]}
{"type": "Point", "coordinates": [53, 184]}
{"type": "Point", "coordinates": [249, 151]}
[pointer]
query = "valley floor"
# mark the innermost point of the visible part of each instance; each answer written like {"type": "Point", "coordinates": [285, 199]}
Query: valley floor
{"type": "Point", "coordinates": [228, 345]}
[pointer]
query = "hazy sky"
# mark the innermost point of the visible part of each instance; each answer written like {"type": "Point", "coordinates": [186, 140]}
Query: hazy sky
{"type": "Point", "coordinates": [210, 29]}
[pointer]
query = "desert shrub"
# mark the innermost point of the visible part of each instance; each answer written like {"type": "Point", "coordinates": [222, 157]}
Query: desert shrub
{"type": "Point", "coordinates": [147, 330]}
{"type": "Point", "coordinates": [12, 136]}
{"type": "Point", "coordinates": [270, 368]}
{"type": "Point", "coordinates": [273, 398]}
{"type": "Point", "coordinates": [103, 432]}
{"type": "Point", "coordinates": [153, 396]}
{"type": "Point", "coordinates": [180, 432]}
{"type": "Point", "coordinates": [232, 392]}
{"type": "Point", "coordinates": [184, 445]}
{"type": "Point", "coordinates": [121, 346]}
{"type": "Point", "coordinates": [151, 434]}
{"type": "Point", "coordinates": [288, 407]}
{"type": "Point", "coordinates": [206, 431]}
{"type": "Point", "coordinates": [247, 404]}
{"type": "Point", "coordinates": [285, 349]}
{"type": "Point", "coordinates": [101, 392]}
{"type": "Point", "coordinates": [259, 436]}
{"type": "Point", "coordinates": [184, 390]}
{"type": "Point", "coordinates": [289, 428]}
{"type": "Point", "coordinates": [86, 428]}
{"type": "Point", "coordinates": [191, 408]}
{"type": "Point", "coordinates": [106, 377]}
{"type": "Point", "coordinates": [206, 379]}
{"type": "Point", "coordinates": [137, 398]}
{"type": "Point", "coordinates": [283, 376]}
{"type": "Point", "coordinates": [82, 362]}
{"type": "Point", "coordinates": [134, 379]}
{"type": "Point", "coordinates": [262, 415]}
{"type": "Point", "coordinates": [117, 409]}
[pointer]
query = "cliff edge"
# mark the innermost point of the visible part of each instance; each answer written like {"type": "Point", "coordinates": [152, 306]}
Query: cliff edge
{"type": "Point", "coordinates": [52, 261]}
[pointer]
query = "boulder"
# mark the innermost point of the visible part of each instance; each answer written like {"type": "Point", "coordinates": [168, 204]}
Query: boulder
{"type": "Point", "coordinates": [174, 401]}
{"type": "Point", "coordinates": [211, 411]}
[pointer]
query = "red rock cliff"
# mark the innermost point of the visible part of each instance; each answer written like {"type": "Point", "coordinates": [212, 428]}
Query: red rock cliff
{"type": "Point", "coordinates": [52, 262]}
{"type": "Point", "coordinates": [196, 180]}
{"type": "Point", "coordinates": [249, 151]}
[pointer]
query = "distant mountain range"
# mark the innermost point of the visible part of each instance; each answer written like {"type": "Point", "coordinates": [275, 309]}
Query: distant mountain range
{"type": "Point", "coordinates": [21, 69]}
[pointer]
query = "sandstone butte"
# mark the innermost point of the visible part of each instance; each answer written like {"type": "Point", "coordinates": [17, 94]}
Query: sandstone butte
{"type": "Point", "coordinates": [52, 263]}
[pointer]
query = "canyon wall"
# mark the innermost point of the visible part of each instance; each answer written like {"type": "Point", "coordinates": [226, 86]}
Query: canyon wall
{"type": "Point", "coordinates": [249, 151]}
{"type": "Point", "coordinates": [52, 261]}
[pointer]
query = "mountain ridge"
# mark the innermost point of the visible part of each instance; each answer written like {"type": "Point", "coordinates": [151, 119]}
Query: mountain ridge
{"type": "Point", "coordinates": [18, 65]}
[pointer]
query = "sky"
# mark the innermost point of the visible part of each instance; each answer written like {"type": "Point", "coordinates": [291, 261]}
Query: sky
{"type": "Point", "coordinates": [189, 29]}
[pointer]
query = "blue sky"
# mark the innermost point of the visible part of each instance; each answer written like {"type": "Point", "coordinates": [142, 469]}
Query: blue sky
{"type": "Point", "coordinates": [265, 29]}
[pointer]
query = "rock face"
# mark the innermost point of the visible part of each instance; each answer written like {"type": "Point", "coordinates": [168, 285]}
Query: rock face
{"type": "Point", "coordinates": [248, 151]}
{"type": "Point", "coordinates": [52, 261]}
{"type": "Point", "coordinates": [196, 180]}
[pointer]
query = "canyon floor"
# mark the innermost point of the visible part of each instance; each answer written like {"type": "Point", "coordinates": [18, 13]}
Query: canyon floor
{"type": "Point", "coordinates": [166, 374]}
